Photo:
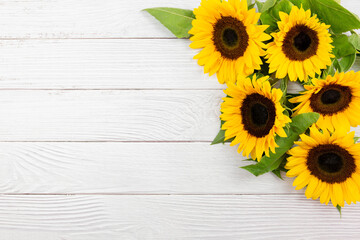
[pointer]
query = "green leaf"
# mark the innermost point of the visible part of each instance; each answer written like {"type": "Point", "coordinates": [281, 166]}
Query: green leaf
{"type": "Point", "coordinates": [251, 6]}
{"type": "Point", "coordinates": [347, 62]}
{"type": "Point", "coordinates": [330, 69]}
{"type": "Point", "coordinates": [271, 15]}
{"type": "Point", "coordinates": [342, 46]}
{"type": "Point", "coordinates": [299, 125]}
{"type": "Point", "coordinates": [297, 3]}
{"type": "Point", "coordinates": [356, 139]}
{"type": "Point", "coordinates": [264, 166]}
{"type": "Point", "coordinates": [337, 66]}
{"type": "Point", "coordinates": [259, 5]}
{"type": "Point", "coordinates": [178, 21]}
{"type": "Point", "coordinates": [267, 5]}
{"type": "Point", "coordinates": [339, 209]}
{"type": "Point", "coordinates": [354, 39]}
{"type": "Point", "coordinates": [267, 19]}
{"type": "Point", "coordinates": [332, 13]}
{"type": "Point", "coordinates": [220, 137]}
{"type": "Point", "coordinates": [277, 173]}
{"type": "Point", "coordinates": [281, 6]}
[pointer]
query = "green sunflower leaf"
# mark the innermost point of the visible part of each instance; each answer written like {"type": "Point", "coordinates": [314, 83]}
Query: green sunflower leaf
{"type": "Point", "coordinates": [356, 139]}
{"type": "Point", "coordinates": [339, 209]}
{"type": "Point", "coordinates": [342, 46]}
{"type": "Point", "coordinates": [347, 62]}
{"type": "Point", "coordinates": [296, 3]}
{"type": "Point", "coordinates": [178, 21]}
{"type": "Point", "coordinates": [332, 13]}
{"type": "Point", "coordinates": [277, 173]}
{"type": "Point", "coordinates": [220, 137]}
{"type": "Point", "coordinates": [299, 125]}
{"type": "Point", "coordinates": [354, 39]}
{"type": "Point", "coordinates": [281, 6]}
{"type": "Point", "coordinates": [267, 19]}
{"type": "Point", "coordinates": [271, 15]}
{"type": "Point", "coordinates": [267, 5]}
{"type": "Point", "coordinates": [259, 5]}
{"type": "Point", "coordinates": [251, 6]}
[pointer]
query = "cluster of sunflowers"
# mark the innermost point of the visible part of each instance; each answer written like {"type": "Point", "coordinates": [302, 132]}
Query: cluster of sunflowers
{"type": "Point", "coordinates": [256, 49]}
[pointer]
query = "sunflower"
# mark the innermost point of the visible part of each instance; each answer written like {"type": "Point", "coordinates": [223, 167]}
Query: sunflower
{"type": "Point", "coordinates": [328, 165]}
{"type": "Point", "coordinates": [336, 99]}
{"type": "Point", "coordinates": [301, 48]}
{"type": "Point", "coordinates": [232, 42]}
{"type": "Point", "coordinates": [253, 116]}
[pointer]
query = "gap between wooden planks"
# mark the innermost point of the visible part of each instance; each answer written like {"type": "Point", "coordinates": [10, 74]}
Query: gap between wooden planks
{"type": "Point", "coordinates": [104, 64]}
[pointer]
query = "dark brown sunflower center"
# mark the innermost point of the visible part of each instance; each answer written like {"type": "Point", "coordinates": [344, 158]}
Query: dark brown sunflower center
{"type": "Point", "coordinates": [331, 163]}
{"type": "Point", "coordinates": [300, 43]}
{"type": "Point", "coordinates": [331, 99]}
{"type": "Point", "coordinates": [330, 96]}
{"type": "Point", "coordinates": [230, 37]}
{"type": "Point", "coordinates": [258, 114]}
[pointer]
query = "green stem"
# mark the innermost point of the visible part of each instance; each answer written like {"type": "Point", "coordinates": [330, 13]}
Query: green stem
{"type": "Point", "coordinates": [284, 87]}
{"type": "Point", "coordinates": [273, 81]}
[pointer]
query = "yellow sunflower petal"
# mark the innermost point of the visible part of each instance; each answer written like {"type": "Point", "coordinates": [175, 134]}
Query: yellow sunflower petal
{"type": "Point", "coordinates": [230, 51]}
{"type": "Point", "coordinates": [301, 48]}
{"type": "Point", "coordinates": [328, 165]}
{"type": "Point", "coordinates": [252, 116]}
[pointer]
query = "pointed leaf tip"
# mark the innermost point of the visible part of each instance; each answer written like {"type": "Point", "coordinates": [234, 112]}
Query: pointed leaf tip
{"type": "Point", "coordinates": [178, 21]}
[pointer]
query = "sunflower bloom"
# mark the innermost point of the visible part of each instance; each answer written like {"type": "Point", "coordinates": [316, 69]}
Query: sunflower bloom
{"type": "Point", "coordinates": [231, 41]}
{"type": "Point", "coordinates": [336, 99]}
{"type": "Point", "coordinates": [253, 116]}
{"type": "Point", "coordinates": [327, 164]}
{"type": "Point", "coordinates": [301, 48]}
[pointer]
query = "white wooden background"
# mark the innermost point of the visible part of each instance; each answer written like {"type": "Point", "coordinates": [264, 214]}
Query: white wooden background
{"type": "Point", "coordinates": [105, 131]}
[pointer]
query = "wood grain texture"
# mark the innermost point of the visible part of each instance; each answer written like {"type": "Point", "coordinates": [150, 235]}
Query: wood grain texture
{"type": "Point", "coordinates": [137, 163]}
{"type": "Point", "coordinates": [104, 64]}
{"type": "Point", "coordinates": [101, 64]}
{"type": "Point", "coordinates": [91, 18]}
{"type": "Point", "coordinates": [130, 115]}
{"type": "Point", "coordinates": [83, 18]}
{"type": "Point", "coordinates": [130, 168]}
{"type": "Point", "coordinates": [173, 217]}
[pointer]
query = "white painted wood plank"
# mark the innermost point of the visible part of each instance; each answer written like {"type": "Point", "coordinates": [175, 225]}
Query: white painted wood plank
{"type": "Point", "coordinates": [101, 64]}
{"type": "Point", "coordinates": [83, 18]}
{"type": "Point", "coordinates": [116, 115]}
{"type": "Point", "coordinates": [128, 115]}
{"type": "Point", "coordinates": [104, 64]}
{"type": "Point", "coordinates": [173, 217]}
{"type": "Point", "coordinates": [91, 18]}
{"type": "Point", "coordinates": [130, 168]}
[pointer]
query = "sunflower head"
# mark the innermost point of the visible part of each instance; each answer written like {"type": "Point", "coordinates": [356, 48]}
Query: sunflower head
{"type": "Point", "coordinates": [327, 163]}
{"type": "Point", "coordinates": [301, 48]}
{"type": "Point", "coordinates": [253, 116]}
{"type": "Point", "coordinates": [232, 42]}
{"type": "Point", "coordinates": [336, 99]}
